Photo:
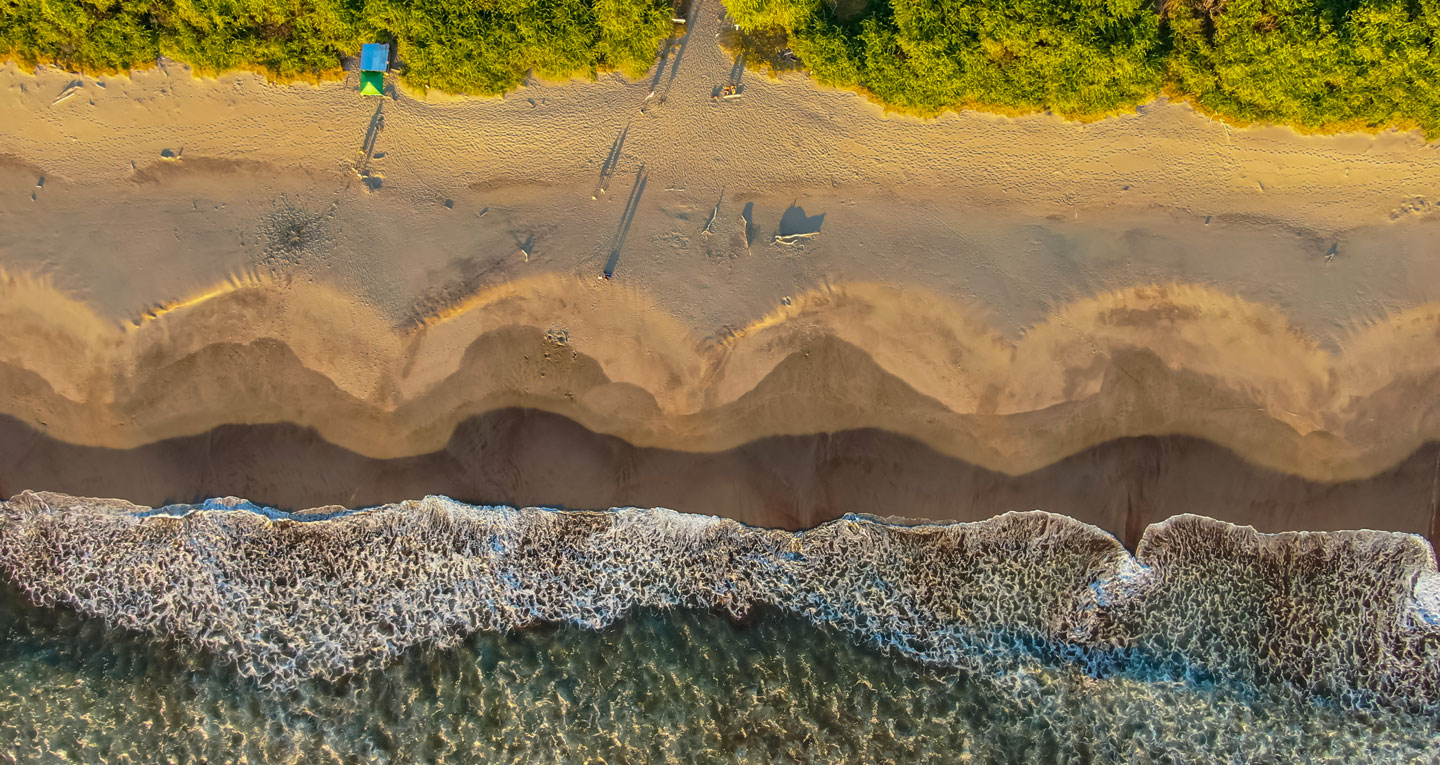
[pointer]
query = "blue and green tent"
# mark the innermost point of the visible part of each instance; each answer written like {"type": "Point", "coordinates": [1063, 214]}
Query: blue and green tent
{"type": "Point", "coordinates": [374, 60]}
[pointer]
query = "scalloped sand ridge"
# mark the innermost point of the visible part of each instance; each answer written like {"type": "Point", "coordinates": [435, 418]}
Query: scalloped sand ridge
{"type": "Point", "coordinates": [1162, 360]}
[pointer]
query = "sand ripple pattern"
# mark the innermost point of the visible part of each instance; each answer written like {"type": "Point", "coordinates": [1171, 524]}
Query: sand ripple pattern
{"type": "Point", "coordinates": [1350, 617]}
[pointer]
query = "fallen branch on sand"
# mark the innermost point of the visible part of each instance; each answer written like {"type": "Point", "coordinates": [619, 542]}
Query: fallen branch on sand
{"type": "Point", "coordinates": [713, 213]}
{"type": "Point", "coordinates": [795, 238]}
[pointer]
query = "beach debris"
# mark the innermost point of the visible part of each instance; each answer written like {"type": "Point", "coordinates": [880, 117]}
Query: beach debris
{"type": "Point", "coordinates": [557, 336]}
{"type": "Point", "coordinates": [69, 92]}
{"type": "Point", "coordinates": [713, 214]}
{"type": "Point", "coordinates": [795, 238]}
{"type": "Point", "coordinates": [796, 226]}
{"type": "Point", "coordinates": [732, 88]}
{"type": "Point", "coordinates": [1334, 248]}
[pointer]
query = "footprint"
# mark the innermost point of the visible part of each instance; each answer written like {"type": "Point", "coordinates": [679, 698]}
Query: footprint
{"type": "Point", "coordinates": [1410, 207]}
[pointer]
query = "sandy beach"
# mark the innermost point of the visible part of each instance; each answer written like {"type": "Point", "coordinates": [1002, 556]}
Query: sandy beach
{"type": "Point", "coordinates": [292, 293]}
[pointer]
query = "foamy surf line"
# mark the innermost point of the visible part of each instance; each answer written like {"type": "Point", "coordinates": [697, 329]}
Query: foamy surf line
{"type": "Point", "coordinates": [1350, 617]}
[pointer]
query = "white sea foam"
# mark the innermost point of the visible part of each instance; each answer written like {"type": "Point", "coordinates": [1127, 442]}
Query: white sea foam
{"type": "Point", "coordinates": [289, 597]}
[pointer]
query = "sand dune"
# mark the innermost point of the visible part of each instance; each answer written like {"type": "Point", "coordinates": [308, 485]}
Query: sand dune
{"type": "Point", "coordinates": [1164, 360]}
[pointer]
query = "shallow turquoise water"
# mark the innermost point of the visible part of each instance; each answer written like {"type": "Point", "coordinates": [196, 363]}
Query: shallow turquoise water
{"type": "Point", "coordinates": [661, 686]}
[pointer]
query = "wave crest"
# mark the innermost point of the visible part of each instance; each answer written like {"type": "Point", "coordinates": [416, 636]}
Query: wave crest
{"type": "Point", "coordinates": [1342, 615]}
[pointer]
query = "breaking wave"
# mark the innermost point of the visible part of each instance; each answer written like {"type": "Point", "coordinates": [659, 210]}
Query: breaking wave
{"type": "Point", "coordinates": [1351, 619]}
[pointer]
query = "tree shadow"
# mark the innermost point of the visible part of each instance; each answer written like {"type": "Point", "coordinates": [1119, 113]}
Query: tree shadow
{"type": "Point", "coordinates": [683, 43]}
{"type": "Point", "coordinates": [748, 215]}
{"type": "Point", "coordinates": [626, 219]}
{"type": "Point", "coordinates": [796, 223]}
{"type": "Point", "coordinates": [611, 161]}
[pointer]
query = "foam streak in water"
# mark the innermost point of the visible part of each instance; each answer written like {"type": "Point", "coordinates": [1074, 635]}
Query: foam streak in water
{"type": "Point", "coordinates": [1350, 617]}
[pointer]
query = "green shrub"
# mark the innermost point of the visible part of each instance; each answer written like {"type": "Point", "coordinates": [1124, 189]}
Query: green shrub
{"type": "Point", "coordinates": [1078, 58]}
{"type": "Point", "coordinates": [1314, 64]}
{"type": "Point", "coordinates": [832, 57]}
{"type": "Point", "coordinates": [753, 15]}
{"type": "Point", "coordinates": [459, 46]}
{"type": "Point", "coordinates": [629, 34]}
{"type": "Point", "coordinates": [286, 39]}
{"type": "Point", "coordinates": [104, 36]}
{"type": "Point", "coordinates": [1311, 64]}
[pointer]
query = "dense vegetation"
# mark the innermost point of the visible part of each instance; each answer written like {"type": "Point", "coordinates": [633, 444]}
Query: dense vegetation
{"type": "Point", "coordinates": [1079, 58]}
{"type": "Point", "coordinates": [1310, 63]}
{"type": "Point", "coordinates": [461, 46]}
{"type": "Point", "coordinates": [1316, 64]}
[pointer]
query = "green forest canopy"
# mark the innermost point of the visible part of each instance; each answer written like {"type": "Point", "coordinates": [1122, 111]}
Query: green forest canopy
{"type": "Point", "coordinates": [1314, 64]}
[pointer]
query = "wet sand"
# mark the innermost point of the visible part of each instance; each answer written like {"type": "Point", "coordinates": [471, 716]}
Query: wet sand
{"type": "Point", "coordinates": [527, 458]}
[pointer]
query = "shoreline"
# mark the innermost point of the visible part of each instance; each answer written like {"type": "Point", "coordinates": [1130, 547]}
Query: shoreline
{"type": "Point", "coordinates": [526, 458]}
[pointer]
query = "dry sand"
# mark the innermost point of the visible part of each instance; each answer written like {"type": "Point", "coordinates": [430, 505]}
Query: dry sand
{"type": "Point", "coordinates": [184, 254]}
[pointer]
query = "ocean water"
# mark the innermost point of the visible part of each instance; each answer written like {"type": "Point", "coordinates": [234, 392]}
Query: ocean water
{"type": "Point", "coordinates": [439, 632]}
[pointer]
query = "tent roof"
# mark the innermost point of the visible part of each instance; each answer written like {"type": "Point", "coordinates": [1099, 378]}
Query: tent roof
{"type": "Point", "coordinates": [374, 57]}
{"type": "Point", "coordinates": [372, 83]}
